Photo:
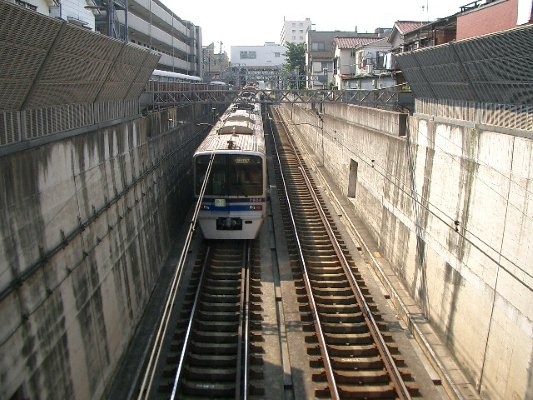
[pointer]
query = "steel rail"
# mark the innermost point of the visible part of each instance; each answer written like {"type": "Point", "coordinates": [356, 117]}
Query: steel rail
{"type": "Point", "coordinates": [146, 386]}
{"type": "Point", "coordinates": [241, 369]}
{"type": "Point", "coordinates": [316, 318]}
{"type": "Point", "coordinates": [246, 328]}
{"type": "Point", "coordinates": [385, 354]}
{"type": "Point", "coordinates": [187, 337]}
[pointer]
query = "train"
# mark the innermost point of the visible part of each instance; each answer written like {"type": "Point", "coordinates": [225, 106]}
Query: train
{"type": "Point", "coordinates": [167, 76]}
{"type": "Point", "coordinates": [233, 206]}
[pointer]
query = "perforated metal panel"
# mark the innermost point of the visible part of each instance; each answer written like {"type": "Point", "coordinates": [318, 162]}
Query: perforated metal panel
{"type": "Point", "coordinates": [141, 80]}
{"type": "Point", "coordinates": [55, 76]}
{"type": "Point", "coordinates": [76, 68]}
{"type": "Point", "coordinates": [25, 38]}
{"type": "Point", "coordinates": [494, 68]}
{"type": "Point", "coordinates": [48, 62]}
{"type": "Point", "coordinates": [129, 74]}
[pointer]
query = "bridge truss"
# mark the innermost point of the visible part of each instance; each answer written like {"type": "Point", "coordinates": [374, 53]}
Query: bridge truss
{"type": "Point", "coordinates": [388, 98]}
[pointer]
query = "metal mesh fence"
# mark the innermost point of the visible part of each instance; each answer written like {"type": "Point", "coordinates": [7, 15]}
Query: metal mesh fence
{"type": "Point", "coordinates": [494, 69]}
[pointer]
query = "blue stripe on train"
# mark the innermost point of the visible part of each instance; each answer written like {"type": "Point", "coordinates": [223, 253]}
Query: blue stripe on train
{"type": "Point", "coordinates": [236, 200]}
{"type": "Point", "coordinates": [211, 207]}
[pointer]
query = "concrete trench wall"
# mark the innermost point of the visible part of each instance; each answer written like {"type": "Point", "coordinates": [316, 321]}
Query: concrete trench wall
{"type": "Point", "coordinates": [463, 247]}
{"type": "Point", "coordinates": [85, 225]}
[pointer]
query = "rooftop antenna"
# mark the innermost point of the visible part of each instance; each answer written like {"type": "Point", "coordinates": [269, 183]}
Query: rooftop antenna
{"type": "Point", "coordinates": [426, 7]}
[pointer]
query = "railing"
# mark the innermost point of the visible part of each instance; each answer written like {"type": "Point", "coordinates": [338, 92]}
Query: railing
{"type": "Point", "coordinates": [26, 125]}
{"type": "Point", "coordinates": [504, 115]}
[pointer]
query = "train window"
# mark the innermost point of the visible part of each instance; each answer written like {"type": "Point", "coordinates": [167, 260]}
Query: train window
{"type": "Point", "coordinates": [246, 175]}
{"type": "Point", "coordinates": [231, 175]}
{"type": "Point", "coordinates": [217, 180]}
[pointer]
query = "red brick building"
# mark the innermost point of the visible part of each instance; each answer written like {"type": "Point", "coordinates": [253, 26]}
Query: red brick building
{"type": "Point", "coordinates": [493, 16]}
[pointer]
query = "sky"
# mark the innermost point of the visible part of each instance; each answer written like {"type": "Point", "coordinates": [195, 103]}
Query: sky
{"type": "Point", "coordinates": [252, 23]}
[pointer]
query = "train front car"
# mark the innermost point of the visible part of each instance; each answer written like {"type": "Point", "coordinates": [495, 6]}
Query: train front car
{"type": "Point", "coordinates": [234, 202]}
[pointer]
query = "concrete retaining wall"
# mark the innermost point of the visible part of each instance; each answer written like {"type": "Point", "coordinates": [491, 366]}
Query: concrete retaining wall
{"type": "Point", "coordinates": [451, 207]}
{"type": "Point", "coordinates": [85, 225]}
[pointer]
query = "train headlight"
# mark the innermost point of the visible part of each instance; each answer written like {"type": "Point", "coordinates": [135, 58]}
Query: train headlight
{"type": "Point", "coordinates": [256, 207]}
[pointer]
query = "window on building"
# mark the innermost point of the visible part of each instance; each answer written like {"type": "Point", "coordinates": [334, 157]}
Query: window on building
{"type": "Point", "coordinates": [276, 54]}
{"type": "Point", "coordinates": [380, 59]}
{"type": "Point", "coordinates": [248, 55]}
{"type": "Point", "coordinates": [318, 46]}
{"type": "Point", "coordinates": [359, 59]}
{"type": "Point", "coordinates": [320, 66]}
{"type": "Point", "coordinates": [26, 5]}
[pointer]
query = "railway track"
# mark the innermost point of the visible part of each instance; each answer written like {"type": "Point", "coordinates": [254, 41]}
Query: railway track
{"type": "Point", "coordinates": [211, 351]}
{"type": "Point", "coordinates": [214, 347]}
{"type": "Point", "coordinates": [350, 355]}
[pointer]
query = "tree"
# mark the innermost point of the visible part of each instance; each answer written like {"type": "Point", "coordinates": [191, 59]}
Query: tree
{"type": "Point", "coordinates": [295, 63]}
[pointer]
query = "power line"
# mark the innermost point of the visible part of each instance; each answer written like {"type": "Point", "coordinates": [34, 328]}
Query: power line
{"type": "Point", "coordinates": [373, 164]}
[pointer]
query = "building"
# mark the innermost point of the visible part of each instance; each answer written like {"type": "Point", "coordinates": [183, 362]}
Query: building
{"type": "Point", "coordinates": [476, 19]}
{"type": "Point", "coordinates": [473, 19]}
{"type": "Point", "coordinates": [268, 55]}
{"type": "Point", "coordinates": [320, 55]}
{"type": "Point", "coordinates": [257, 64]}
{"type": "Point", "coordinates": [178, 41]}
{"type": "Point", "coordinates": [214, 64]}
{"type": "Point", "coordinates": [73, 11]}
{"type": "Point", "coordinates": [360, 63]}
{"type": "Point", "coordinates": [399, 30]}
{"type": "Point", "coordinates": [440, 31]}
{"type": "Point", "coordinates": [294, 31]}
{"type": "Point", "coordinates": [149, 24]}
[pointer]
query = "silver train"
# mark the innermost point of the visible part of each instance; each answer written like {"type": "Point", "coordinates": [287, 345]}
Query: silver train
{"type": "Point", "coordinates": [234, 202]}
{"type": "Point", "coordinates": [167, 76]}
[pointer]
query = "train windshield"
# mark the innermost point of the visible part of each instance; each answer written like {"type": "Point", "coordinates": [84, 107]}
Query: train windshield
{"type": "Point", "coordinates": [231, 175]}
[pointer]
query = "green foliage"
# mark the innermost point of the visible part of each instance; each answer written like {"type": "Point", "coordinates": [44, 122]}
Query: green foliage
{"type": "Point", "coordinates": [295, 63]}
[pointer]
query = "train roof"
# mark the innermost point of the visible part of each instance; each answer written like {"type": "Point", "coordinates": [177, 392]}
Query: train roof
{"type": "Point", "coordinates": [243, 105]}
{"type": "Point", "coordinates": [242, 127]}
{"type": "Point", "coordinates": [241, 115]}
{"type": "Point", "coordinates": [232, 144]}
{"type": "Point", "coordinates": [175, 75]}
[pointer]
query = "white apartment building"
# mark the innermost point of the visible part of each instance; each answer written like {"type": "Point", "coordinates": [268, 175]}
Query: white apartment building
{"type": "Point", "coordinates": [74, 11]}
{"type": "Point", "coordinates": [257, 64]}
{"type": "Point", "coordinates": [150, 24]}
{"type": "Point", "coordinates": [268, 55]}
{"type": "Point", "coordinates": [294, 31]}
